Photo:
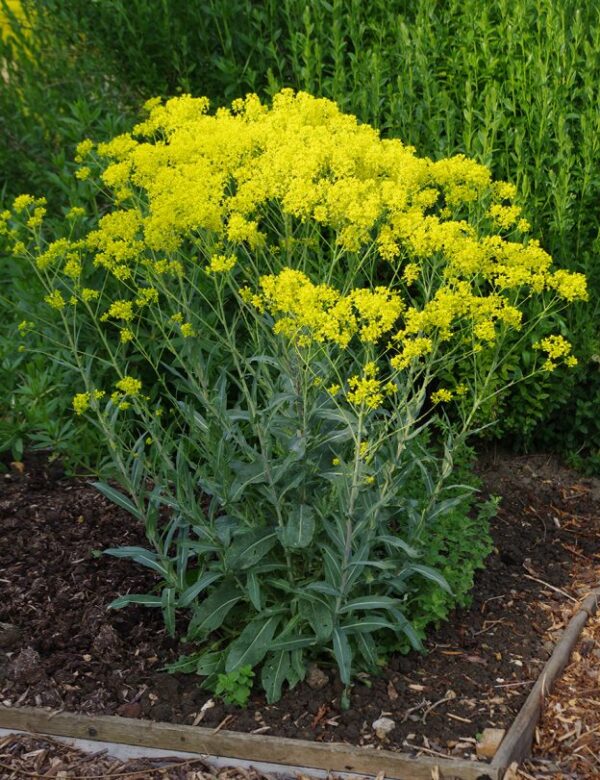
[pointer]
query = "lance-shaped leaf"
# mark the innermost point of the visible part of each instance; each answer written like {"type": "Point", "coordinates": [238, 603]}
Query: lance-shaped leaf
{"type": "Point", "coordinates": [247, 474]}
{"type": "Point", "coordinates": [142, 556]}
{"type": "Point", "coordinates": [343, 654]}
{"type": "Point", "coordinates": [274, 673]}
{"type": "Point", "coordinates": [368, 650]}
{"type": "Point", "coordinates": [119, 499]}
{"type": "Point", "coordinates": [209, 615]}
{"type": "Point", "coordinates": [396, 541]}
{"type": "Point", "coordinates": [332, 565]}
{"type": "Point", "coordinates": [369, 603]}
{"type": "Point", "coordinates": [368, 624]}
{"type": "Point", "coordinates": [168, 609]}
{"type": "Point", "coordinates": [254, 591]}
{"type": "Point", "coordinates": [209, 662]}
{"type": "Point", "coordinates": [203, 582]}
{"type": "Point", "coordinates": [299, 528]}
{"type": "Point", "coordinates": [430, 574]}
{"type": "Point", "coordinates": [249, 547]}
{"type": "Point", "coordinates": [404, 625]}
{"type": "Point", "coordinates": [146, 599]}
{"type": "Point", "coordinates": [297, 671]}
{"type": "Point", "coordinates": [252, 644]}
{"type": "Point", "coordinates": [318, 614]}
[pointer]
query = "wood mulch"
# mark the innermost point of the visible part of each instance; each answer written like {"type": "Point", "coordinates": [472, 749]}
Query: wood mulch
{"type": "Point", "coordinates": [567, 744]}
{"type": "Point", "coordinates": [29, 756]}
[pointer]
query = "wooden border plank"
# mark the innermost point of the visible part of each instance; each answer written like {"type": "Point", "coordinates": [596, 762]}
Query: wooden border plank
{"type": "Point", "coordinates": [336, 757]}
{"type": "Point", "coordinates": [517, 744]}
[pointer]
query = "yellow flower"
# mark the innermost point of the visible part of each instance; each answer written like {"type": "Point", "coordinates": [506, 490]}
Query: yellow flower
{"type": "Point", "coordinates": [442, 395]}
{"type": "Point", "coordinates": [557, 348]}
{"type": "Point", "coordinates": [21, 202]}
{"type": "Point", "coordinates": [81, 403]}
{"type": "Point", "coordinates": [220, 264]}
{"type": "Point", "coordinates": [146, 296]}
{"type": "Point", "coordinates": [55, 300]}
{"type": "Point", "coordinates": [83, 149]}
{"type": "Point", "coordinates": [365, 390]}
{"type": "Point", "coordinates": [75, 212]}
{"type": "Point", "coordinates": [119, 310]}
{"type": "Point", "coordinates": [87, 294]}
{"type": "Point", "coordinates": [411, 273]}
{"type": "Point", "coordinates": [129, 386]}
{"type": "Point", "coordinates": [37, 218]}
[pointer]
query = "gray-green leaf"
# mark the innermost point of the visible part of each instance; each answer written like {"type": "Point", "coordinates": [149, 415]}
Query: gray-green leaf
{"type": "Point", "coordinates": [189, 594]}
{"type": "Point", "coordinates": [318, 614]}
{"type": "Point", "coordinates": [118, 498]}
{"type": "Point", "coordinates": [146, 599]}
{"type": "Point", "coordinates": [343, 655]}
{"type": "Point", "coordinates": [274, 672]}
{"type": "Point", "coordinates": [248, 548]}
{"type": "Point", "coordinates": [213, 610]}
{"type": "Point", "coordinates": [252, 644]}
{"type": "Point", "coordinates": [299, 528]}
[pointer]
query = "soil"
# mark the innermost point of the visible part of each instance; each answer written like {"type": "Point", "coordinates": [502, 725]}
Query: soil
{"type": "Point", "coordinates": [69, 652]}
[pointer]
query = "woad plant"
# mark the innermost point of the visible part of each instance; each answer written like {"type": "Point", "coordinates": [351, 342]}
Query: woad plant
{"type": "Point", "coordinates": [286, 328]}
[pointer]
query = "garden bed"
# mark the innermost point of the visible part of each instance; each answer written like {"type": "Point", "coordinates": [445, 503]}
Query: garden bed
{"type": "Point", "coordinates": [72, 654]}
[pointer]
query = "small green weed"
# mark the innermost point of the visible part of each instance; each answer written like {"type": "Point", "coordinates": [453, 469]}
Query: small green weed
{"type": "Point", "coordinates": [235, 687]}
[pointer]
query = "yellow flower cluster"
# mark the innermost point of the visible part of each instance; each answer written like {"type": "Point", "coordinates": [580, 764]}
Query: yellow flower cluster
{"type": "Point", "coordinates": [365, 391]}
{"type": "Point", "coordinates": [129, 386]}
{"type": "Point", "coordinates": [83, 401]}
{"type": "Point", "coordinates": [557, 348]}
{"type": "Point", "coordinates": [443, 395]}
{"type": "Point", "coordinates": [221, 175]}
{"type": "Point", "coordinates": [318, 312]}
{"type": "Point", "coordinates": [341, 236]}
{"type": "Point", "coordinates": [220, 264]}
{"type": "Point", "coordinates": [218, 173]}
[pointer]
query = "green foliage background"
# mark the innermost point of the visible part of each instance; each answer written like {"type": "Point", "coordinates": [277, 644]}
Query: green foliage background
{"type": "Point", "coordinates": [513, 83]}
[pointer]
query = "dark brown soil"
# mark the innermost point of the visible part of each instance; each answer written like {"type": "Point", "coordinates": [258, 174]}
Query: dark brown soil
{"type": "Point", "coordinates": [72, 653]}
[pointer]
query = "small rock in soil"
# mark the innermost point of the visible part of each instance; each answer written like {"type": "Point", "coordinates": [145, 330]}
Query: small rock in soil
{"type": "Point", "coordinates": [316, 678]}
{"type": "Point", "coordinates": [489, 742]}
{"type": "Point", "coordinates": [131, 709]}
{"type": "Point", "coordinates": [26, 667]}
{"type": "Point", "coordinates": [10, 636]}
{"type": "Point", "coordinates": [106, 645]}
{"type": "Point", "coordinates": [383, 726]}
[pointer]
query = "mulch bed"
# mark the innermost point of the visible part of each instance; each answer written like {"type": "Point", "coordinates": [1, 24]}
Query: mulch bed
{"type": "Point", "coordinates": [71, 653]}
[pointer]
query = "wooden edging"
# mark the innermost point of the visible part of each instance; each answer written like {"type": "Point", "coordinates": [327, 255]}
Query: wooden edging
{"type": "Point", "coordinates": [335, 757]}
{"type": "Point", "coordinates": [516, 745]}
